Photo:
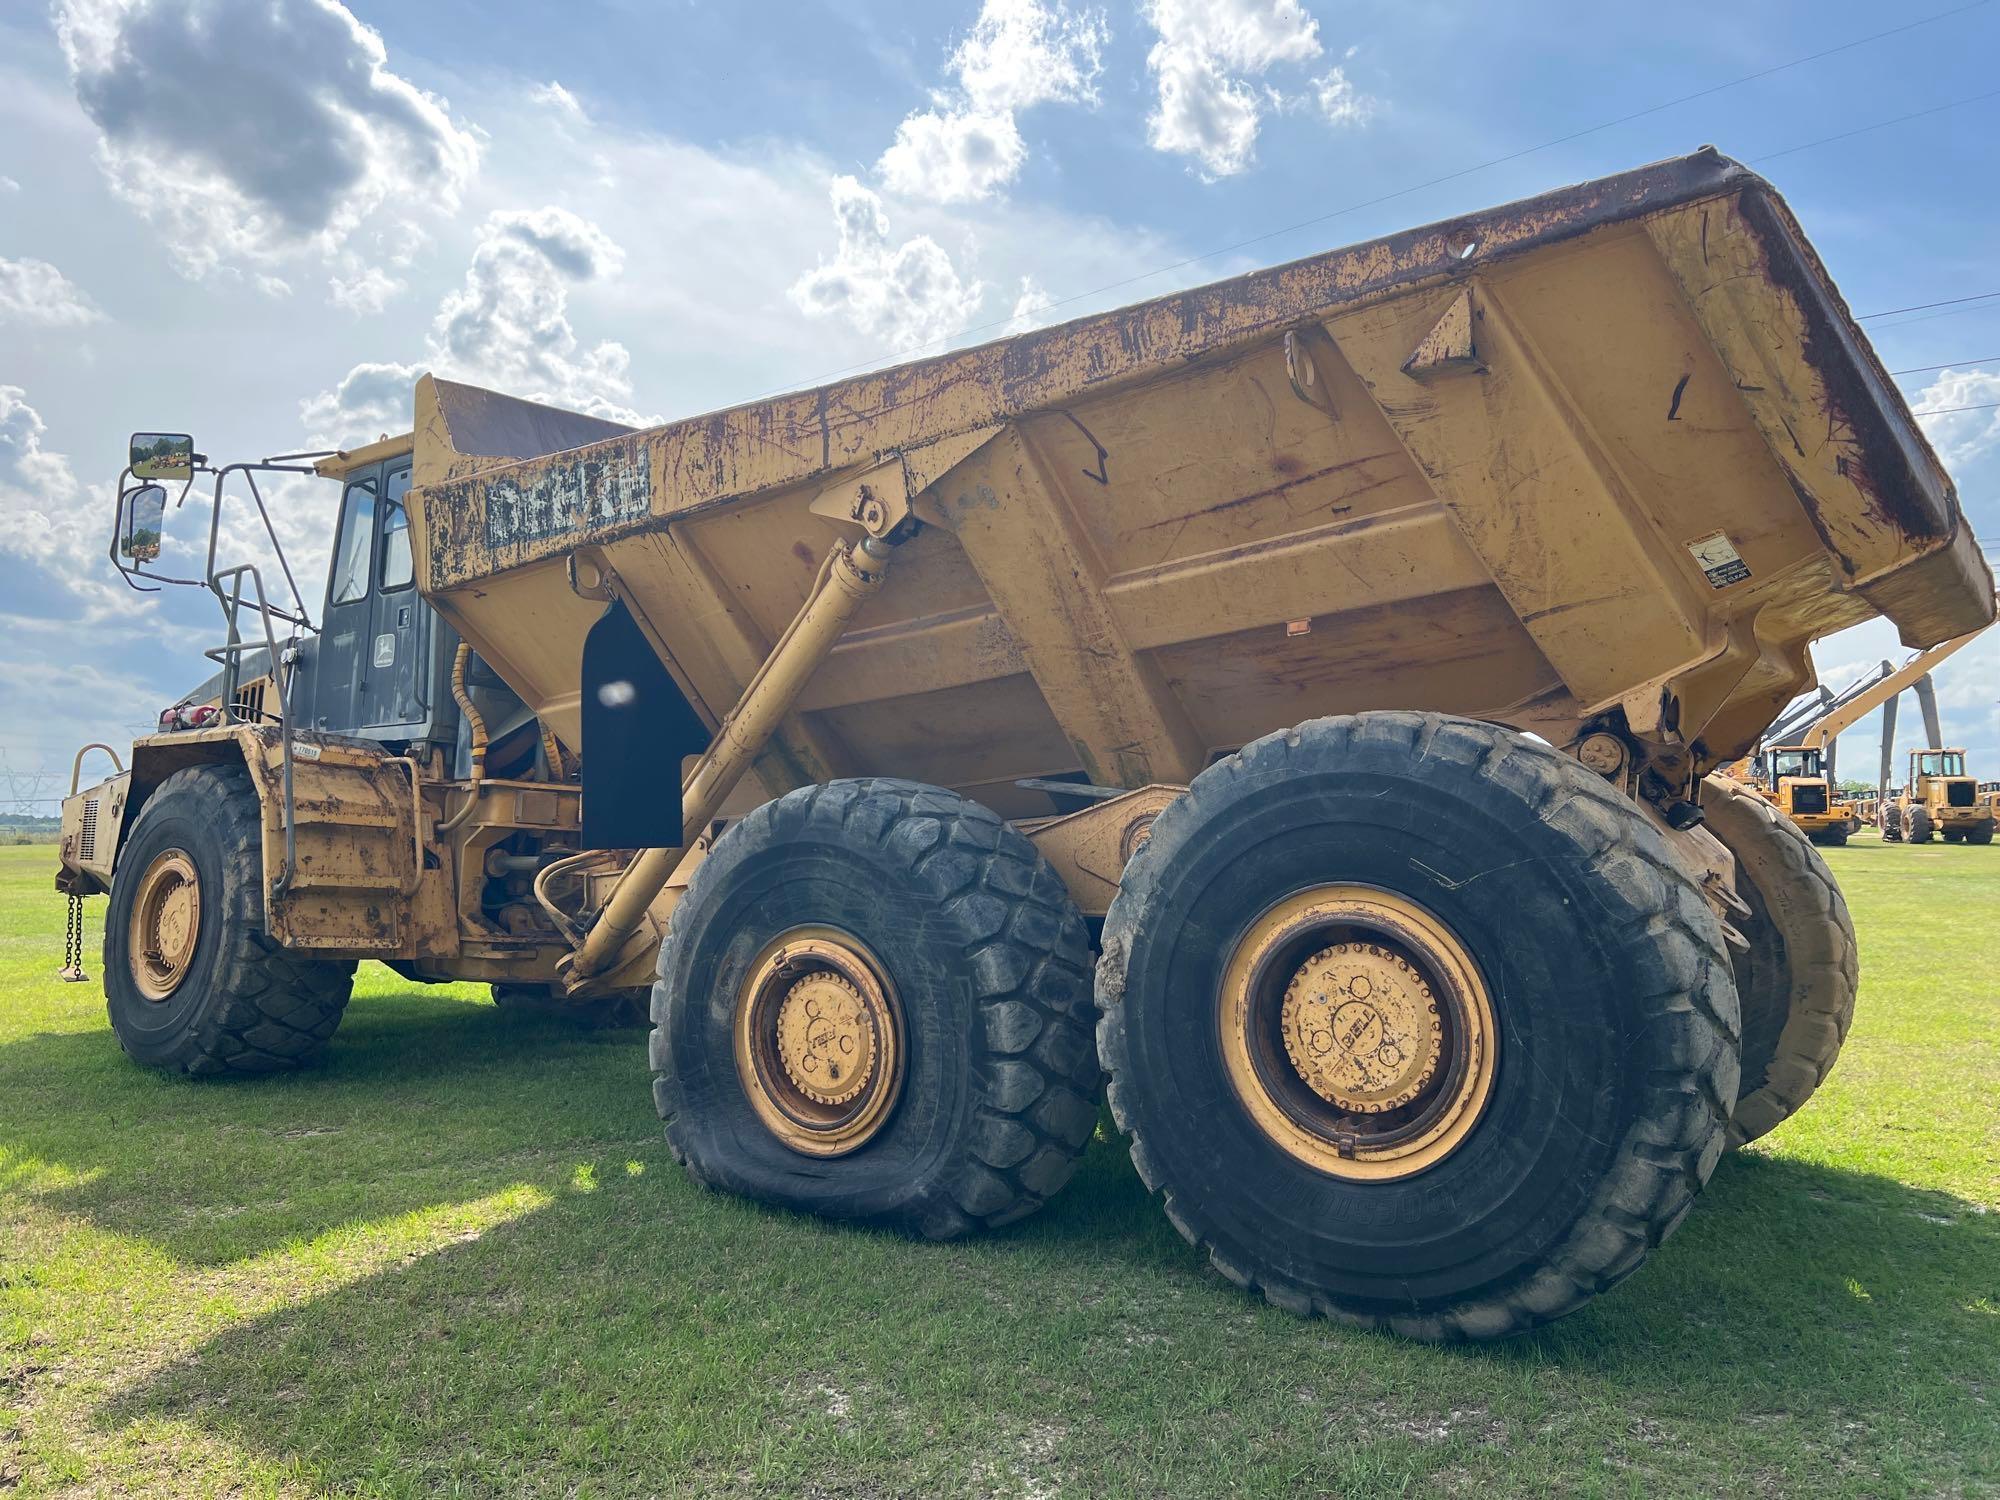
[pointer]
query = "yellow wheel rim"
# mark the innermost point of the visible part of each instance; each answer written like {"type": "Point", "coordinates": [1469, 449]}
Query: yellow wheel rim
{"type": "Point", "coordinates": [1357, 1032]}
{"type": "Point", "coordinates": [819, 1041]}
{"type": "Point", "coordinates": [165, 925]}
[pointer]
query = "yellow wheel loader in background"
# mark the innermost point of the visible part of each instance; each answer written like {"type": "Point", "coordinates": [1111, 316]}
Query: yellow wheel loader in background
{"type": "Point", "coordinates": [1941, 799]}
{"type": "Point", "coordinates": [1795, 768]}
{"type": "Point", "coordinates": [1293, 698]}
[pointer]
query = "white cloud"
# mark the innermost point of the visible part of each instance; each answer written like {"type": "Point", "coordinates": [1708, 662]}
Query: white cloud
{"type": "Point", "coordinates": [1206, 55]}
{"type": "Point", "coordinates": [1339, 100]}
{"type": "Point", "coordinates": [1019, 53]}
{"type": "Point", "coordinates": [8, 184]}
{"type": "Point", "coordinates": [953, 156]}
{"type": "Point", "coordinates": [574, 246]}
{"type": "Point", "coordinates": [371, 401]}
{"type": "Point", "coordinates": [561, 100]}
{"type": "Point", "coordinates": [245, 130]}
{"type": "Point", "coordinates": [368, 290]}
{"type": "Point", "coordinates": [33, 291]}
{"type": "Point", "coordinates": [506, 325]}
{"type": "Point", "coordinates": [1961, 436]}
{"type": "Point", "coordinates": [46, 518]}
{"type": "Point", "coordinates": [907, 295]}
{"type": "Point", "coordinates": [1030, 304]}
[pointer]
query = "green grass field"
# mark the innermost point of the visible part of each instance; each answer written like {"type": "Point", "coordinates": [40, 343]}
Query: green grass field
{"type": "Point", "coordinates": [458, 1258]}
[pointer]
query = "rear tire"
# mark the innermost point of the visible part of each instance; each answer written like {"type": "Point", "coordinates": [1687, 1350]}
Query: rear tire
{"type": "Point", "coordinates": [972, 965]}
{"type": "Point", "coordinates": [226, 998]}
{"type": "Point", "coordinates": [1983, 834]}
{"type": "Point", "coordinates": [1830, 838]}
{"type": "Point", "coordinates": [1613, 1062]}
{"type": "Point", "coordinates": [1797, 980]}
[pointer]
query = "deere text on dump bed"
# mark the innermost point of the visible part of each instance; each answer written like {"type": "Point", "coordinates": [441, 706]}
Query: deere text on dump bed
{"type": "Point", "coordinates": [1292, 699]}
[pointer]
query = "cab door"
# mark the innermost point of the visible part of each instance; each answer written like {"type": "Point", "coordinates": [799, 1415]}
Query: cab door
{"type": "Point", "coordinates": [395, 671]}
{"type": "Point", "coordinates": [342, 651]}
{"type": "Point", "coordinates": [372, 673]}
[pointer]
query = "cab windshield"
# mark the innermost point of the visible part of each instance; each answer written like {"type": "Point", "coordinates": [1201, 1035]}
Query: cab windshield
{"type": "Point", "coordinates": [1794, 763]}
{"type": "Point", "coordinates": [1941, 763]}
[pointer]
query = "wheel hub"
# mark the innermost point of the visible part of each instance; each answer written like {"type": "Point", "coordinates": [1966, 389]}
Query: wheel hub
{"type": "Point", "coordinates": [166, 924]}
{"type": "Point", "coordinates": [819, 1041]}
{"type": "Point", "coordinates": [1362, 1028]}
{"type": "Point", "coordinates": [826, 1038]}
{"type": "Point", "coordinates": [1357, 1032]}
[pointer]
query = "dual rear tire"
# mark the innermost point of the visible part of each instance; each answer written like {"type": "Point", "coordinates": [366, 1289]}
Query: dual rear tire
{"type": "Point", "coordinates": [1411, 1021]}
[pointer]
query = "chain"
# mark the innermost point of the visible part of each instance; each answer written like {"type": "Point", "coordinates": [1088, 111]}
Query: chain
{"type": "Point", "coordinates": [72, 969]}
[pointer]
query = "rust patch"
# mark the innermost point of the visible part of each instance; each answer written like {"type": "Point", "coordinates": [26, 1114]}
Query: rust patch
{"type": "Point", "coordinates": [1859, 418]}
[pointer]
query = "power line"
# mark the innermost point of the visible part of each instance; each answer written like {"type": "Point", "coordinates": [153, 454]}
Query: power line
{"type": "Point", "coordinates": [1921, 306]}
{"type": "Point", "coordinates": [1935, 109]}
{"type": "Point", "coordinates": [1950, 364]}
{"type": "Point", "coordinates": [1938, 411]}
{"type": "Point", "coordinates": [1491, 162]}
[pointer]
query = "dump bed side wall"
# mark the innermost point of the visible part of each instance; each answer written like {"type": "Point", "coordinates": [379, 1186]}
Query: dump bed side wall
{"type": "Point", "coordinates": [1481, 467]}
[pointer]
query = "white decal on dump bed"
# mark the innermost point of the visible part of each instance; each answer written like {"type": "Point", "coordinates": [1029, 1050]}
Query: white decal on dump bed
{"type": "Point", "coordinates": [565, 498]}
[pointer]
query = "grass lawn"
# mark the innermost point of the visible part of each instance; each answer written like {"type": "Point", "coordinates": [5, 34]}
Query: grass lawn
{"type": "Point", "coordinates": [458, 1258]}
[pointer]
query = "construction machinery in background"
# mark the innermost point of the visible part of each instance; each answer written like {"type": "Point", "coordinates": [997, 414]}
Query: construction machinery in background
{"type": "Point", "coordinates": [1796, 767]}
{"type": "Point", "coordinates": [1293, 698]}
{"type": "Point", "coordinates": [1940, 799]}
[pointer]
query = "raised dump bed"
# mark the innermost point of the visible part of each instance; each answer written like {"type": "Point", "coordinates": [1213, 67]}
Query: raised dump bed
{"type": "Point", "coordinates": [1615, 450]}
{"type": "Point", "coordinates": [1292, 698]}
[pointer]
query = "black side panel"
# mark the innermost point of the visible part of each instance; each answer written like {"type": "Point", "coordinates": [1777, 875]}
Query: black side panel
{"type": "Point", "coordinates": [637, 726]}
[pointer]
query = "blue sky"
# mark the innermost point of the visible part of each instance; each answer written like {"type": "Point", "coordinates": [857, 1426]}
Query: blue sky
{"type": "Point", "coordinates": [257, 220]}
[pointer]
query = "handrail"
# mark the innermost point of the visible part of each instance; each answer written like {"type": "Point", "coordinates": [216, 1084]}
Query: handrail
{"type": "Point", "coordinates": [76, 766]}
{"type": "Point", "coordinates": [228, 657]}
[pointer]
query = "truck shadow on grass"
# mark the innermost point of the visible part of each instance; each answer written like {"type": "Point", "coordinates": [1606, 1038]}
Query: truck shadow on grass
{"type": "Point", "coordinates": [638, 1333]}
{"type": "Point", "coordinates": [420, 1099]}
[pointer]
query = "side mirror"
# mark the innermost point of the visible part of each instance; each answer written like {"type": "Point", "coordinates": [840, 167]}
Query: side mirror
{"type": "Point", "coordinates": [143, 517]}
{"type": "Point", "coordinates": [162, 455]}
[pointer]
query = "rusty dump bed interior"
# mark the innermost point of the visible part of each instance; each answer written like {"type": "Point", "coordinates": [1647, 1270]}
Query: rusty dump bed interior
{"type": "Point", "coordinates": [1619, 448]}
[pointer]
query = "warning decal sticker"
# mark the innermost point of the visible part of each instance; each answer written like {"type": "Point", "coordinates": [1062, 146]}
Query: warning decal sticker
{"type": "Point", "coordinates": [1719, 560]}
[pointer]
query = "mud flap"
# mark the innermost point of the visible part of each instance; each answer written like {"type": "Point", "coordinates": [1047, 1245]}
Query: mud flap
{"type": "Point", "coordinates": [637, 727]}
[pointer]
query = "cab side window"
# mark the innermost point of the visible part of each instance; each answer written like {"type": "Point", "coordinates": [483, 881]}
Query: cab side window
{"type": "Point", "coordinates": [397, 569]}
{"type": "Point", "coordinates": [353, 551]}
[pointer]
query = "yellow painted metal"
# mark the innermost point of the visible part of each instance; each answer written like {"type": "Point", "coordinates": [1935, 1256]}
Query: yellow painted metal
{"type": "Point", "coordinates": [1091, 848]}
{"type": "Point", "coordinates": [851, 574]}
{"type": "Point", "coordinates": [165, 924]}
{"type": "Point", "coordinates": [1362, 1028]}
{"type": "Point", "coordinates": [1617, 452]}
{"type": "Point", "coordinates": [1857, 708]}
{"type": "Point", "coordinates": [1357, 1032]}
{"type": "Point", "coordinates": [819, 1045]}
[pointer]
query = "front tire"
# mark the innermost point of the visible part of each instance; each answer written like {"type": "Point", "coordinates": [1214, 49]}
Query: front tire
{"type": "Point", "coordinates": [1466, 867]}
{"type": "Point", "coordinates": [874, 1004]}
{"type": "Point", "coordinates": [1920, 825]}
{"type": "Point", "coordinates": [192, 982]}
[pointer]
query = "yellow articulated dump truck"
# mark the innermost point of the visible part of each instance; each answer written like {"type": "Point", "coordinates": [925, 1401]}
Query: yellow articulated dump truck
{"type": "Point", "coordinates": [1291, 700]}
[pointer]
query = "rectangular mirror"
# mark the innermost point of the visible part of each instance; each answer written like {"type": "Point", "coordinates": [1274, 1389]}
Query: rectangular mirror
{"type": "Point", "coordinates": [144, 518]}
{"type": "Point", "coordinates": [162, 455]}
